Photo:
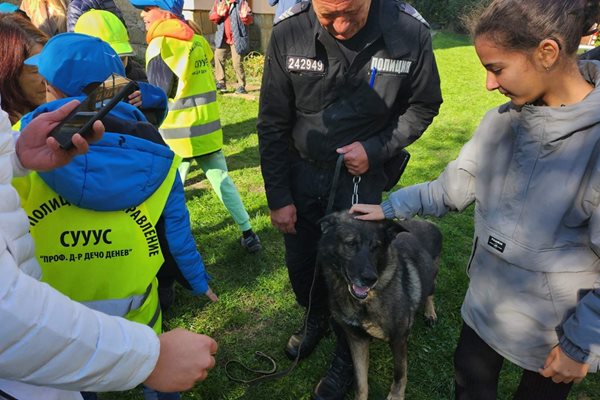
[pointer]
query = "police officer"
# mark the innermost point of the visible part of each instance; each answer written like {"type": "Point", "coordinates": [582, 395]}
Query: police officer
{"type": "Point", "coordinates": [350, 77]}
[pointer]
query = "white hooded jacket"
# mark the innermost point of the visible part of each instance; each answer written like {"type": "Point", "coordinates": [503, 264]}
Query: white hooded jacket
{"type": "Point", "coordinates": [45, 338]}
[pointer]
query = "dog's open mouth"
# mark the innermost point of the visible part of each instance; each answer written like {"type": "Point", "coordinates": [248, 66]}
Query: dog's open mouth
{"type": "Point", "coordinates": [360, 292]}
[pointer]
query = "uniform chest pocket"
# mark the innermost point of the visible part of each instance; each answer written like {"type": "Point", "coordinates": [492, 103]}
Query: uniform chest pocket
{"type": "Point", "coordinates": [308, 89]}
{"type": "Point", "coordinates": [387, 86]}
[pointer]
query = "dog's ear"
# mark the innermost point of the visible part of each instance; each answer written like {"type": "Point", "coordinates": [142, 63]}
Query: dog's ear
{"type": "Point", "coordinates": [328, 223]}
{"type": "Point", "coordinates": [392, 229]}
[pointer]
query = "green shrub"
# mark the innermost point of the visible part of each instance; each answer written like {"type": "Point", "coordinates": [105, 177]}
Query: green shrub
{"type": "Point", "coordinates": [253, 66]}
{"type": "Point", "coordinates": [446, 14]}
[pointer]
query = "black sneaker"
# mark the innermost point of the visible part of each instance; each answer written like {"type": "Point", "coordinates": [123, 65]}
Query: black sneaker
{"type": "Point", "coordinates": [251, 243]}
{"type": "Point", "coordinates": [241, 90]}
{"type": "Point", "coordinates": [337, 381]}
{"type": "Point", "coordinates": [222, 87]}
{"type": "Point", "coordinates": [317, 326]}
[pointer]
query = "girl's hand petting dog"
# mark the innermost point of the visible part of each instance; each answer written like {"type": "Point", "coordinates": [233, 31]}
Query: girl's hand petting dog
{"type": "Point", "coordinates": [368, 212]}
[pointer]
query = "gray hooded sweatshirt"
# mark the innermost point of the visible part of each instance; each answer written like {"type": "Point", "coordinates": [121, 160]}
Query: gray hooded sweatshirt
{"type": "Point", "coordinates": [534, 175]}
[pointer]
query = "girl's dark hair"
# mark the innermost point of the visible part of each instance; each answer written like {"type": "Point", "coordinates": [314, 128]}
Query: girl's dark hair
{"type": "Point", "coordinates": [523, 24]}
{"type": "Point", "coordinates": [18, 37]}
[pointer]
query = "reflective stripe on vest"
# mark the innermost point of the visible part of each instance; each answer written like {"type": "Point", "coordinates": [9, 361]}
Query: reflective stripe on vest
{"type": "Point", "coordinates": [106, 260]}
{"type": "Point", "coordinates": [192, 126]}
{"type": "Point", "coordinates": [119, 307]}
{"type": "Point", "coordinates": [193, 101]}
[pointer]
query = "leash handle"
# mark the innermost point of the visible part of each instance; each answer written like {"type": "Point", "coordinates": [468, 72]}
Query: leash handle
{"type": "Point", "coordinates": [265, 373]}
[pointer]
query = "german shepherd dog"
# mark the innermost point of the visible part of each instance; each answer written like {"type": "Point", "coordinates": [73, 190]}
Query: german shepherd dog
{"type": "Point", "coordinates": [378, 275]}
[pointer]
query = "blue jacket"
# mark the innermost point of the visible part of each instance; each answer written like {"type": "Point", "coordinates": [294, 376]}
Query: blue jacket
{"type": "Point", "coordinates": [78, 7]}
{"type": "Point", "coordinates": [121, 171]}
{"type": "Point", "coordinates": [154, 103]}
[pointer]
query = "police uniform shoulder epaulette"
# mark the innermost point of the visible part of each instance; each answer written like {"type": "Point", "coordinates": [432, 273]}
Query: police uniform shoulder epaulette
{"type": "Point", "coordinates": [410, 10]}
{"type": "Point", "coordinates": [293, 10]}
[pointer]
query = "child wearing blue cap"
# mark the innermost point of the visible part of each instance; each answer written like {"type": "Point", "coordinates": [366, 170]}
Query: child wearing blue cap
{"type": "Point", "coordinates": [124, 195]}
{"type": "Point", "coordinates": [178, 60]}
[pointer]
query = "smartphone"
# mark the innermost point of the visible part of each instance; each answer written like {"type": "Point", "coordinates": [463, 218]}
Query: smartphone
{"type": "Point", "coordinates": [106, 96]}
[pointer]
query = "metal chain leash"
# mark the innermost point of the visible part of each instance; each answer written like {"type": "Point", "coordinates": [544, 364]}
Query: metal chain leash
{"type": "Point", "coordinates": [355, 181]}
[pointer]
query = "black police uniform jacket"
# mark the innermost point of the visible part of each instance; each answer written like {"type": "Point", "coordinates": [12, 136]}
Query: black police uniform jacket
{"type": "Point", "coordinates": [312, 101]}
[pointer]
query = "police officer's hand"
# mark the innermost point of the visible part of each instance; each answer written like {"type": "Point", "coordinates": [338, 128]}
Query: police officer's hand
{"type": "Point", "coordinates": [284, 219]}
{"type": "Point", "coordinates": [37, 151]}
{"type": "Point", "coordinates": [355, 158]}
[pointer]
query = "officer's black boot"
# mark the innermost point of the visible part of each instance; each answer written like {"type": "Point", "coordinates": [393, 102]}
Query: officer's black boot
{"type": "Point", "coordinates": [340, 377]}
{"type": "Point", "coordinates": [316, 327]}
{"type": "Point", "coordinates": [338, 380]}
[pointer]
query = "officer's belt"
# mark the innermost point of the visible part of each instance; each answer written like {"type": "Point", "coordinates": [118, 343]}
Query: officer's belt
{"type": "Point", "coordinates": [328, 165]}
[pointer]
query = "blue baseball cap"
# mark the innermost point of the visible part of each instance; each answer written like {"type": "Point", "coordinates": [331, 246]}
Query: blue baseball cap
{"type": "Point", "coordinates": [174, 6]}
{"type": "Point", "coordinates": [8, 8]}
{"type": "Point", "coordinates": [71, 61]}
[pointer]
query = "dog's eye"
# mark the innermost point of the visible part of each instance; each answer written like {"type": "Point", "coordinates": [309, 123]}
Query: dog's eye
{"type": "Point", "coordinates": [375, 244]}
{"type": "Point", "coordinates": [351, 243]}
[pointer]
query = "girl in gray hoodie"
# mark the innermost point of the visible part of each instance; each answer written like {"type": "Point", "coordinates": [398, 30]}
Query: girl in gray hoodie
{"type": "Point", "coordinates": [533, 170]}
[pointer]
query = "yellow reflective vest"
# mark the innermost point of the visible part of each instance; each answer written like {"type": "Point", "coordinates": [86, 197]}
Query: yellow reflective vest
{"type": "Point", "coordinates": [107, 260]}
{"type": "Point", "coordinates": [192, 126]}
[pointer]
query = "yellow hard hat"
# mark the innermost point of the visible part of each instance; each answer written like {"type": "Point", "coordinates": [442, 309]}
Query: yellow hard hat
{"type": "Point", "coordinates": [108, 27]}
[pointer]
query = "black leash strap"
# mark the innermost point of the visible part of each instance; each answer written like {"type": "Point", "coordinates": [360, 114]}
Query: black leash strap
{"type": "Point", "coordinates": [334, 183]}
{"type": "Point", "coordinates": [271, 374]}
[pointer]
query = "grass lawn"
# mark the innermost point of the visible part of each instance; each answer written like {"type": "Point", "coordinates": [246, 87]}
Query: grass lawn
{"type": "Point", "coordinates": [256, 311]}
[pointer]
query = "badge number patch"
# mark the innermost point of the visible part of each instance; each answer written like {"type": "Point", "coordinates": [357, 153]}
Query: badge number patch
{"type": "Point", "coordinates": [304, 64]}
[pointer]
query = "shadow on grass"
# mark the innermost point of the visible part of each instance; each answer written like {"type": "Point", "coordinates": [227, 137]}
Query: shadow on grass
{"type": "Point", "coordinates": [239, 130]}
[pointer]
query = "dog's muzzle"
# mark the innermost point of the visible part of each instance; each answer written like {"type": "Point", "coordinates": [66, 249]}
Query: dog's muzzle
{"type": "Point", "coordinates": [359, 292]}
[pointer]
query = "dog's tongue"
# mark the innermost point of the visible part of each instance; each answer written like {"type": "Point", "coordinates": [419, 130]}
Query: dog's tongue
{"type": "Point", "coordinates": [360, 291]}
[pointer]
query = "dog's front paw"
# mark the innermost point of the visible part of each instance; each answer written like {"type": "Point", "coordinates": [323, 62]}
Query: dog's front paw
{"type": "Point", "coordinates": [391, 396]}
{"type": "Point", "coordinates": [430, 320]}
{"type": "Point", "coordinates": [430, 315]}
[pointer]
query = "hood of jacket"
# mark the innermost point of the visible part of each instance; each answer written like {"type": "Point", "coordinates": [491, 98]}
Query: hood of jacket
{"type": "Point", "coordinates": [172, 28]}
{"type": "Point", "coordinates": [120, 171]}
{"type": "Point", "coordinates": [569, 119]}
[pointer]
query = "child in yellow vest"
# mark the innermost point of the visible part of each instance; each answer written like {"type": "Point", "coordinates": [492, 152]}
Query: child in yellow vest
{"type": "Point", "coordinates": [178, 60]}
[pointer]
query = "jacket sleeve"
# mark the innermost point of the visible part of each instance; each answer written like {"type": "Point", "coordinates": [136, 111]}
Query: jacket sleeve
{"type": "Point", "coordinates": [454, 189]}
{"type": "Point", "coordinates": [181, 243]}
{"type": "Point", "coordinates": [423, 105]}
{"type": "Point", "coordinates": [49, 340]}
{"type": "Point", "coordinates": [580, 338]}
{"type": "Point", "coordinates": [154, 99]}
{"type": "Point", "coordinates": [276, 115]}
{"type": "Point", "coordinates": [159, 74]}
{"type": "Point", "coordinates": [5, 129]}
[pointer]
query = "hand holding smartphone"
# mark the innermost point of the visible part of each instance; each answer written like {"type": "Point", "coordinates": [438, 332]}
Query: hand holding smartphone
{"type": "Point", "coordinates": [115, 89]}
